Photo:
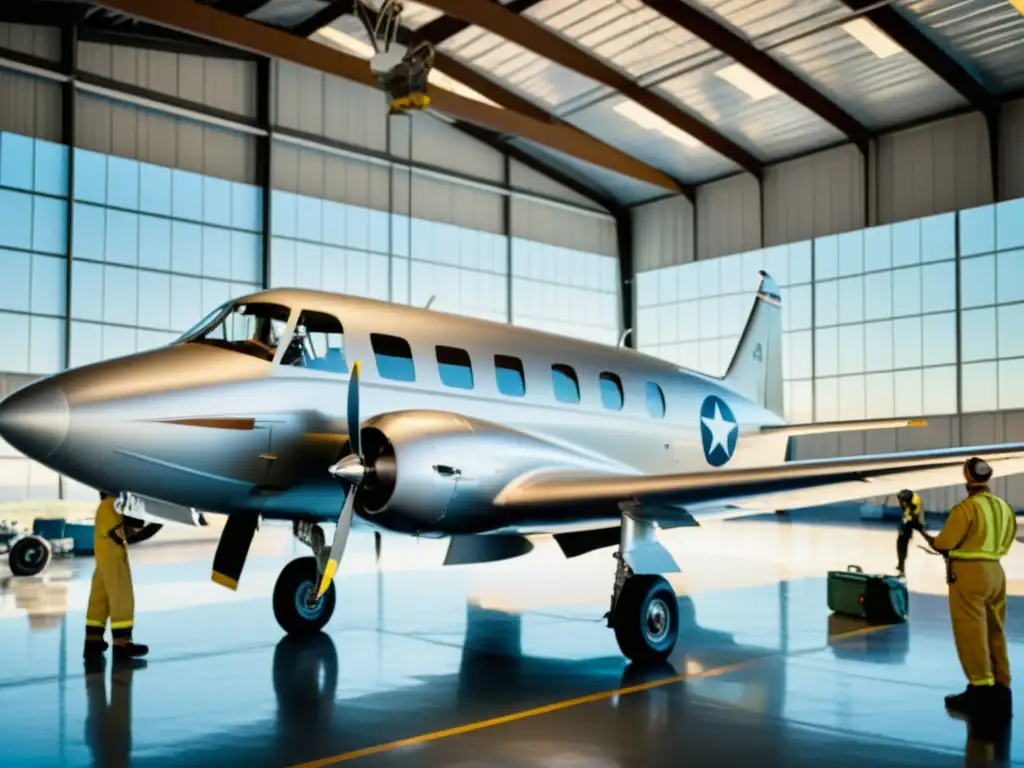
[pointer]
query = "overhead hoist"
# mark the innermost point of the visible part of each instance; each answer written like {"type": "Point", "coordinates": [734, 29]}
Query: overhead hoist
{"type": "Point", "coordinates": [405, 80]}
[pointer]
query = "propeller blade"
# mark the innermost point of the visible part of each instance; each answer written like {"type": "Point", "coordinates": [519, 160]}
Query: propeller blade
{"type": "Point", "coordinates": [376, 545]}
{"type": "Point", "coordinates": [338, 545]}
{"type": "Point", "coordinates": [353, 411]}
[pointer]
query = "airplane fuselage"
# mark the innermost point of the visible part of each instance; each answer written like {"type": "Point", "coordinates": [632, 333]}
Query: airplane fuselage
{"type": "Point", "coordinates": [217, 429]}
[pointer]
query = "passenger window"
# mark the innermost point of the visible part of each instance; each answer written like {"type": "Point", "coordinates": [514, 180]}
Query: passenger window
{"type": "Point", "coordinates": [319, 343]}
{"type": "Point", "coordinates": [567, 386]}
{"type": "Point", "coordinates": [394, 357]}
{"type": "Point", "coordinates": [655, 400]}
{"type": "Point", "coordinates": [611, 391]}
{"type": "Point", "coordinates": [509, 372]}
{"type": "Point", "coordinates": [455, 367]}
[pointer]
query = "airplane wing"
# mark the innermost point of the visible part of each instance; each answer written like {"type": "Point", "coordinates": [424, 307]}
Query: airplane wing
{"type": "Point", "coordinates": [821, 427]}
{"type": "Point", "coordinates": [754, 490]}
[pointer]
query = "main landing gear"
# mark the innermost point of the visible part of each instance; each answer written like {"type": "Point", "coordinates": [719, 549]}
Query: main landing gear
{"type": "Point", "coordinates": [644, 609]}
{"type": "Point", "coordinates": [296, 606]}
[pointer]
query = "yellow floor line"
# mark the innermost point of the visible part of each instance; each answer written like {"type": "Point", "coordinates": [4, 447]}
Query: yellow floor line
{"type": "Point", "coordinates": [548, 708]}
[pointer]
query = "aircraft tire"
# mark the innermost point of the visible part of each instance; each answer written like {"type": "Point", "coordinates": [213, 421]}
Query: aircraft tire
{"type": "Point", "coordinates": [297, 579]}
{"type": "Point", "coordinates": [29, 555]}
{"type": "Point", "coordinates": [646, 619]}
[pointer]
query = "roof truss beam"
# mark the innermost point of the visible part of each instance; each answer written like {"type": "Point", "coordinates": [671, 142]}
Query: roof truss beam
{"type": "Point", "coordinates": [486, 87]}
{"type": "Point", "coordinates": [922, 48]}
{"type": "Point", "coordinates": [543, 42]}
{"type": "Point", "coordinates": [763, 65]}
{"type": "Point", "coordinates": [193, 18]}
{"type": "Point", "coordinates": [444, 27]}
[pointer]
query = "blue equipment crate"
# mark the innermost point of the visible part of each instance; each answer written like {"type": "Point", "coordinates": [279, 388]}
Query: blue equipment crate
{"type": "Point", "coordinates": [83, 535]}
{"type": "Point", "coordinates": [49, 529]}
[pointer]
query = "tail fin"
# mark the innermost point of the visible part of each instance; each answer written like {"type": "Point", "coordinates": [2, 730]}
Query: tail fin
{"type": "Point", "coordinates": [756, 368]}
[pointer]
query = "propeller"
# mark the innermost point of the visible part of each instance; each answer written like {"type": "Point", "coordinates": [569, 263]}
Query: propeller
{"type": "Point", "coordinates": [351, 471]}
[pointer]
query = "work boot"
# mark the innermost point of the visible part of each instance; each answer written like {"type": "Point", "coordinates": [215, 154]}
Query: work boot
{"type": "Point", "coordinates": [94, 648]}
{"type": "Point", "coordinates": [129, 650]}
{"type": "Point", "coordinates": [962, 703]}
{"type": "Point", "coordinates": [1002, 699]}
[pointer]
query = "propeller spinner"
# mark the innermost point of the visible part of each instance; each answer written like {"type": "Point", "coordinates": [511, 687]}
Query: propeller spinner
{"type": "Point", "coordinates": [350, 470]}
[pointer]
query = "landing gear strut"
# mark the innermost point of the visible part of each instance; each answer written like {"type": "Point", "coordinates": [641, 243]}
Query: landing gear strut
{"type": "Point", "coordinates": [644, 608]}
{"type": "Point", "coordinates": [296, 606]}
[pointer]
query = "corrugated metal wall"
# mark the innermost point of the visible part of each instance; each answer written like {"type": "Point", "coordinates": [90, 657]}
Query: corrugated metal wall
{"type": "Point", "coordinates": [220, 83]}
{"type": "Point", "coordinates": [938, 167]}
{"type": "Point", "coordinates": [545, 223]}
{"type": "Point", "coordinates": [30, 106]}
{"type": "Point", "coordinates": [820, 194]}
{"type": "Point", "coordinates": [662, 233]}
{"type": "Point", "coordinates": [439, 199]}
{"type": "Point", "coordinates": [437, 144]}
{"type": "Point", "coordinates": [941, 432]}
{"type": "Point", "coordinates": [41, 42]}
{"type": "Point", "coordinates": [323, 105]}
{"type": "Point", "coordinates": [1011, 151]}
{"type": "Point", "coordinates": [123, 129]}
{"type": "Point", "coordinates": [329, 176]}
{"type": "Point", "coordinates": [728, 217]}
{"type": "Point", "coordinates": [524, 178]}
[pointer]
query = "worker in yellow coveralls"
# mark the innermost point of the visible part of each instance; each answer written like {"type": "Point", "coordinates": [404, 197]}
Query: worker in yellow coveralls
{"type": "Point", "coordinates": [978, 533]}
{"type": "Point", "coordinates": [112, 596]}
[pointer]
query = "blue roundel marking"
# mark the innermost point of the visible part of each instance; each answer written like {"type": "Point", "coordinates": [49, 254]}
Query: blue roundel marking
{"type": "Point", "coordinates": [718, 431]}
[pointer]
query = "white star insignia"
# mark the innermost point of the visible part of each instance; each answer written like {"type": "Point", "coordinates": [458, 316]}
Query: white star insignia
{"type": "Point", "coordinates": [720, 431]}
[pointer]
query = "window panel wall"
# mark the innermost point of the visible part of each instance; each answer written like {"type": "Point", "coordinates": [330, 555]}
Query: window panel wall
{"type": "Point", "coordinates": [466, 270]}
{"type": "Point", "coordinates": [565, 291]}
{"type": "Point", "coordinates": [874, 334]}
{"type": "Point", "coordinates": [33, 256]}
{"type": "Point", "coordinates": [693, 314]}
{"type": "Point", "coordinates": [992, 297]}
{"type": "Point", "coordinates": [154, 249]}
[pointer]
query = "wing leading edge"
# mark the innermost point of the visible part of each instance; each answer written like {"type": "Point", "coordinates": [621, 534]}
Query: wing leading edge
{"type": "Point", "coordinates": [791, 485]}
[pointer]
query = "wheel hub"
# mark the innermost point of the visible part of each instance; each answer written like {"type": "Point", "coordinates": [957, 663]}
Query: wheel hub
{"type": "Point", "coordinates": [656, 622]}
{"type": "Point", "coordinates": [306, 603]}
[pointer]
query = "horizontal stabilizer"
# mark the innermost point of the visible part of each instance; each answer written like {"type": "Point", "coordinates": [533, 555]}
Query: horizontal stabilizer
{"type": "Point", "coordinates": [795, 430]}
{"type": "Point", "coordinates": [469, 550]}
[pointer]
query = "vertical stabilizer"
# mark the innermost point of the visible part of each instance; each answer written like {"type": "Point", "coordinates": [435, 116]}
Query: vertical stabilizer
{"type": "Point", "coordinates": [756, 368]}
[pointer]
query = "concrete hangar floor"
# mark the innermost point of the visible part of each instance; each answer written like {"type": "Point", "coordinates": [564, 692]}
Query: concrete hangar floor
{"type": "Point", "coordinates": [507, 664]}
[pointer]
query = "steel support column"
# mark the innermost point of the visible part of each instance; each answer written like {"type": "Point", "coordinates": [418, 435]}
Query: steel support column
{"type": "Point", "coordinates": [624, 237]}
{"type": "Point", "coordinates": [69, 67]}
{"type": "Point", "coordinates": [264, 151]}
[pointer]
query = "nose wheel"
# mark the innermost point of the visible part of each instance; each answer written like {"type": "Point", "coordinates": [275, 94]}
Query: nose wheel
{"type": "Point", "coordinates": [296, 606]}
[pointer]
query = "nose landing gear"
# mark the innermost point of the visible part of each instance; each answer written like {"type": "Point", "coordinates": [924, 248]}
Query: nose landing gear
{"type": "Point", "coordinates": [296, 606]}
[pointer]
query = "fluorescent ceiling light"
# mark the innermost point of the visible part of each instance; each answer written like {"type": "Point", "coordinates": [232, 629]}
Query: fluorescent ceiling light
{"type": "Point", "coordinates": [652, 122]}
{"type": "Point", "coordinates": [357, 47]}
{"type": "Point", "coordinates": [874, 39]}
{"type": "Point", "coordinates": [750, 83]}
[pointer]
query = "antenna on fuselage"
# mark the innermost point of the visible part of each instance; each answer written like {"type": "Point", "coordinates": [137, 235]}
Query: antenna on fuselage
{"type": "Point", "coordinates": [623, 337]}
{"type": "Point", "coordinates": [430, 301]}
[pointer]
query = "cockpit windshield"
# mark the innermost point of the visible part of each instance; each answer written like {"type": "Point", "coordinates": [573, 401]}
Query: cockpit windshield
{"type": "Point", "coordinates": [253, 328]}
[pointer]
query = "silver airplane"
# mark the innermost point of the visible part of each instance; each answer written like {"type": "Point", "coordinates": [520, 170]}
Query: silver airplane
{"type": "Point", "coordinates": [290, 404]}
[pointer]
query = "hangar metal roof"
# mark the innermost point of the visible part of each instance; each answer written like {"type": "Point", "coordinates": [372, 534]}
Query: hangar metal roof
{"type": "Point", "coordinates": [680, 92]}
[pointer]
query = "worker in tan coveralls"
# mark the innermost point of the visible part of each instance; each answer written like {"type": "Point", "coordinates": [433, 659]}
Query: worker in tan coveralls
{"type": "Point", "coordinates": [112, 595]}
{"type": "Point", "coordinates": [978, 533]}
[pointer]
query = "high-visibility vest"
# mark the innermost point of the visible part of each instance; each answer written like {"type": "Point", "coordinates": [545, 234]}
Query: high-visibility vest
{"type": "Point", "coordinates": [993, 528]}
{"type": "Point", "coordinates": [912, 510]}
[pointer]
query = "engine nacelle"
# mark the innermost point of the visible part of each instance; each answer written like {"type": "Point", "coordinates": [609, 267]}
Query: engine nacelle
{"type": "Point", "coordinates": [437, 472]}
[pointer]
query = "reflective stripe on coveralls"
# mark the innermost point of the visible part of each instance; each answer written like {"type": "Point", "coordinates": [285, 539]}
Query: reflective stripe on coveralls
{"type": "Point", "coordinates": [992, 530]}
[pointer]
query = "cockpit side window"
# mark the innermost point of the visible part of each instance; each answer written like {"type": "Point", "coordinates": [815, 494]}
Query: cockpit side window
{"type": "Point", "coordinates": [253, 329]}
{"type": "Point", "coordinates": [317, 344]}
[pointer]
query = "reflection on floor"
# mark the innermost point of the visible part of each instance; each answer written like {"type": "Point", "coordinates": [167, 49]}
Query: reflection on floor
{"type": "Point", "coordinates": [498, 665]}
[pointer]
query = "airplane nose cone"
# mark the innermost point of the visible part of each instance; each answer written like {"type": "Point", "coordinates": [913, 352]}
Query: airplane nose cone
{"type": "Point", "coordinates": [35, 419]}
